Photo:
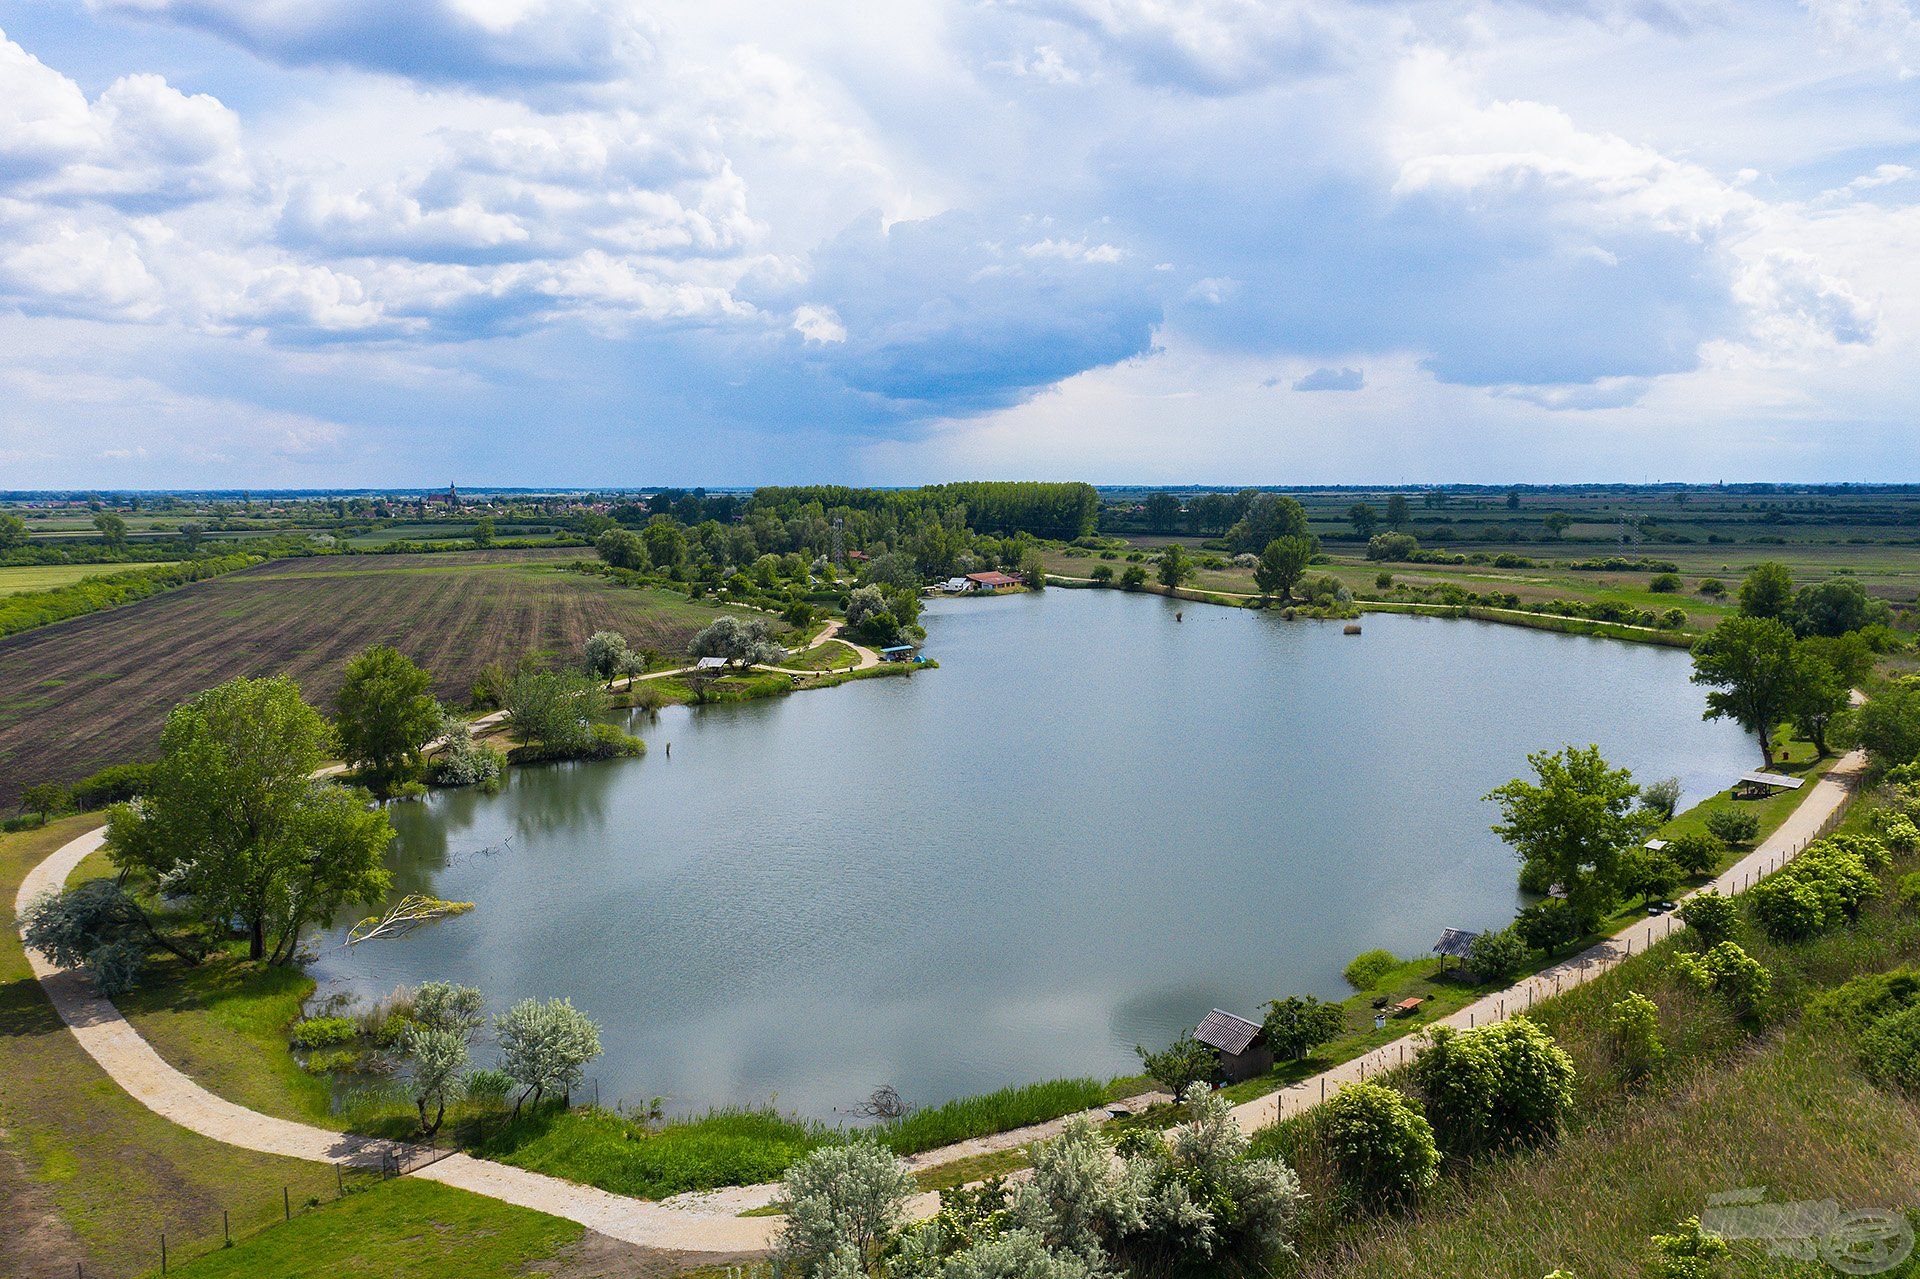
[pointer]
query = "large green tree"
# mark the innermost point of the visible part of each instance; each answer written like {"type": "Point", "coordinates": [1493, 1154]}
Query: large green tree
{"type": "Point", "coordinates": [1281, 564]}
{"type": "Point", "coordinates": [1752, 666]}
{"type": "Point", "coordinates": [385, 714]}
{"type": "Point", "coordinates": [1572, 826]}
{"type": "Point", "coordinates": [234, 823]}
{"type": "Point", "coordinates": [1175, 566]}
{"type": "Point", "coordinates": [1768, 590]}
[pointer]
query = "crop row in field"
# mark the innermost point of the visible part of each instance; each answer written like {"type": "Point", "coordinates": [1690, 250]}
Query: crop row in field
{"type": "Point", "coordinates": [95, 691]}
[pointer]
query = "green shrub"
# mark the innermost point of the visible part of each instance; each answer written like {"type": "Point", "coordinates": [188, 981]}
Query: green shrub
{"type": "Point", "coordinates": [1734, 826]}
{"type": "Point", "coordinates": [1369, 967]}
{"type": "Point", "coordinates": [1820, 889]}
{"type": "Point", "coordinates": [1688, 1253]}
{"type": "Point", "coordinates": [1498, 956]}
{"type": "Point", "coordinates": [1634, 1033]}
{"type": "Point", "coordinates": [1907, 891]}
{"type": "Point", "coordinates": [114, 784]}
{"type": "Point", "coordinates": [1890, 1049]}
{"type": "Point", "coordinates": [1711, 586]}
{"type": "Point", "coordinates": [323, 1032]}
{"type": "Point", "coordinates": [487, 1087]}
{"type": "Point", "coordinates": [331, 1061]}
{"type": "Point", "coordinates": [1501, 1085]}
{"type": "Point", "coordinates": [1381, 1143]}
{"type": "Point", "coordinates": [1727, 971]}
{"type": "Point", "coordinates": [1855, 1005]}
{"type": "Point", "coordinates": [1710, 915]}
{"type": "Point", "coordinates": [1696, 852]}
{"type": "Point", "coordinates": [1664, 583]}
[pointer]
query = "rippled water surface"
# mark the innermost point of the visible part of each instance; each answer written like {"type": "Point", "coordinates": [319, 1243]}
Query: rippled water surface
{"type": "Point", "coordinates": [1091, 825]}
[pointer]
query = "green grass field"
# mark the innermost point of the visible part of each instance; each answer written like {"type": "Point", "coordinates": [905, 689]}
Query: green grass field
{"type": "Point", "coordinates": [39, 577]}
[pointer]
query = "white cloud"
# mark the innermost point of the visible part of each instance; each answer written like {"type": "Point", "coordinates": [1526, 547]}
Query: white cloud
{"type": "Point", "coordinates": [819, 324]}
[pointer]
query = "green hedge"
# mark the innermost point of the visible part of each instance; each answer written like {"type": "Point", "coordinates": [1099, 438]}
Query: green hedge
{"type": "Point", "coordinates": [29, 609]}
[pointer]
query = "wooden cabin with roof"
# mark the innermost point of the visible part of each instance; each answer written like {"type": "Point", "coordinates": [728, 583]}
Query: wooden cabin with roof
{"type": "Point", "coordinates": [1239, 1045]}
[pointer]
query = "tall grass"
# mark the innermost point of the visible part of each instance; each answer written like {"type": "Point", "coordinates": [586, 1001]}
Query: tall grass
{"type": "Point", "coordinates": [725, 1147]}
{"type": "Point", "coordinates": [993, 1112]}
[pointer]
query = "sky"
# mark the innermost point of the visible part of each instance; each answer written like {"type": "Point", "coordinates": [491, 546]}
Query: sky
{"type": "Point", "coordinates": [311, 243]}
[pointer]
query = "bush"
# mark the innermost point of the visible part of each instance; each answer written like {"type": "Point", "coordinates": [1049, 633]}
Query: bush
{"type": "Point", "coordinates": [1907, 891]}
{"type": "Point", "coordinates": [1857, 1004]}
{"type": "Point", "coordinates": [1498, 956]}
{"type": "Point", "coordinates": [323, 1032]}
{"type": "Point", "coordinates": [115, 784]}
{"type": "Point", "coordinates": [1383, 581]}
{"type": "Point", "coordinates": [1392, 546]}
{"type": "Point", "coordinates": [1634, 1033]}
{"type": "Point", "coordinates": [1728, 972]}
{"type": "Point", "coordinates": [1696, 852]}
{"type": "Point", "coordinates": [845, 1205]}
{"type": "Point", "coordinates": [1890, 1049]}
{"type": "Point", "coordinates": [1822, 888]}
{"type": "Point", "coordinates": [1547, 925]}
{"type": "Point", "coordinates": [1501, 1085]}
{"type": "Point", "coordinates": [1381, 1143]}
{"type": "Point", "coordinates": [1102, 574]}
{"type": "Point", "coordinates": [1661, 798]}
{"type": "Point", "coordinates": [1710, 915]}
{"type": "Point", "coordinates": [465, 762]}
{"type": "Point", "coordinates": [1664, 583]}
{"type": "Point", "coordinates": [1734, 826]}
{"type": "Point", "coordinates": [1712, 587]}
{"type": "Point", "coordinates": [1134, 577]}
{"type": "Point", "coordinates": [1180, 1065]}
{"type": "Point", "coordinates": [1369, 967]}
{"type": "Point", "coordinates": [487, 1087]}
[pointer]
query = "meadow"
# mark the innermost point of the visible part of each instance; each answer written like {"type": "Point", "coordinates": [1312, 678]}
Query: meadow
{"type": "Point", "coordinates": [15, 578]}
{"type": "Point", "coordinates": [95, 690]}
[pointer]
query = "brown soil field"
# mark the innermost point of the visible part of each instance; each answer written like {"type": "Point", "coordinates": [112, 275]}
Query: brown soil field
{"type": "Point", "coordinates": [95, 690]}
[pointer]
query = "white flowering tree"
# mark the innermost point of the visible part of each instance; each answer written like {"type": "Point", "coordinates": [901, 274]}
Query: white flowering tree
{"type": "Point", "coordinates": [545, 1047]}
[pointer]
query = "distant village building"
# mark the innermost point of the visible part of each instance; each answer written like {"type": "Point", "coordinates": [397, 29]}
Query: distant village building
{"type": "Point", "coordinates": [1239, 1044]}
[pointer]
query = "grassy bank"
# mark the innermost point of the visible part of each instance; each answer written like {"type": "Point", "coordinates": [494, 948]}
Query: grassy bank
{"type": "Point", "coordinates": [1788, 1109]}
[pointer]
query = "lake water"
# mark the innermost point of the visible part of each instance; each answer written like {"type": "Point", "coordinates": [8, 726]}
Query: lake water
{"type": "Point", "coordinates": [1090, 826]}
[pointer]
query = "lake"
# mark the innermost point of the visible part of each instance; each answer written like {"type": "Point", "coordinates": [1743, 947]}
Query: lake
{"type": "Point", "coordinates": [1091, 825]}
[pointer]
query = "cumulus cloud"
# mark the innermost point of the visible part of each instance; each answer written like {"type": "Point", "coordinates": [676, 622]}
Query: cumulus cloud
{"type": "Point", "coordinates": [1324, 379]}
{"type": "Point", "coordinates": [502, 44]}
{"type": "Point", "coordinates": [140, 144]}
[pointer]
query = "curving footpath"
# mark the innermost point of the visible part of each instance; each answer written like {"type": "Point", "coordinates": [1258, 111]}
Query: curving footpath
{"type": "Point", "coordinates": [709, 1224]}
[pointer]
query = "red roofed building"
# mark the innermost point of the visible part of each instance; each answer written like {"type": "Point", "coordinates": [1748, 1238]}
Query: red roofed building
{"type": "Point", "coordinates": [993, 581]}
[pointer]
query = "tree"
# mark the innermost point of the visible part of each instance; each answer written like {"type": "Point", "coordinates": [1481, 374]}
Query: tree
{"type": "Point", "coordinates": [1837, 606]}
{"type": "Point", "coordinates": [1547, 925]}
{"type": "Point", "coordinates": [190, 535]}
{"type": "Point", "coordinates": [1649, 874]}
{"type": "Point", "coordinates": [1572, 826]}
{"type": "Point", "coordinates": [1501, 1085]}
{"type": "Point", "coordinates": [1888, 725]}
{"type": "Point", "coordinates": [545, 1047]}
{"type": "Point", "coordinates": [234, 823]}
{"type": "Point", "coordinates": [1513, 499]}
{"type": "Point", "coordinates": [1696, 852]}
{"type": "Point", "coordinates": [1364, 518]}
{"type": "Point", "coordinates": [100, 926]}
{"type": "Point", "coordinates": [483, 531]}
{"type": "Point", "coordinates": [1497, 955]}
{"type": "Point", "coordinates": [1381, 1143]}
{"type": "Point", "coordinates": [385, 713]}
{"type": "Point", "coordinates": [553, 712]}
{"type": "Point", "coordinates": [1268, 515]}
{"type": "Point", "coordinates": [846, 1205]}
{"type": "Point", "coordinates": [45, 799]}
{"type": "Point", "coordinates": [666, 542]}
{"type": "Point", "coordinates": [1392, 546]}
{"type": "Point", "coordinates": [623, 548]}
{"type": "Point", "coordinates": [1298, 1024]}
{"type": "Point", "coordinates": [1767, 591]}
{"type": "Point", "coordinates": [1162, 512]}
{"type": "Point", "coordinates": [1181, 1064]}
{"type": "Point", "coordinates": [607, 655]}
{"type": "Point", "coordinates": [13, 532]}
{"type": "Point", "coordinates": [1751, 665]}
{"type": "Point", "coordinates": [113, 529]}
{"type": "Point", "coordinates": [1281, 564]}
{"type": "Point", "coordinates": [743, 641]}
{"type": "Point", "coordinates": [1175, 566]}
{"type": "Point", "coordinates": [1557, 524]}
{"type": "Point", "coordinates": [1133, 577]}
{"type": "Point", "coordinates": [1660, 799]}
{"type": "Point", "coordinates": [1819, 694]}
{"type": "Point", "coordinates": [1102, 575]}
{"type": "Point", "coordinates": [445, 1019]}
{"type": "Point", "coordinates": [1397, 515]}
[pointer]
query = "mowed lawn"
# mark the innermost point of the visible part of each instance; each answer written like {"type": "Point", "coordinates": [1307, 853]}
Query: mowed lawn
{"type": "Point", "coordinates": [95, 690]}
{"type": "Point", "coordinates": [39, 577]}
